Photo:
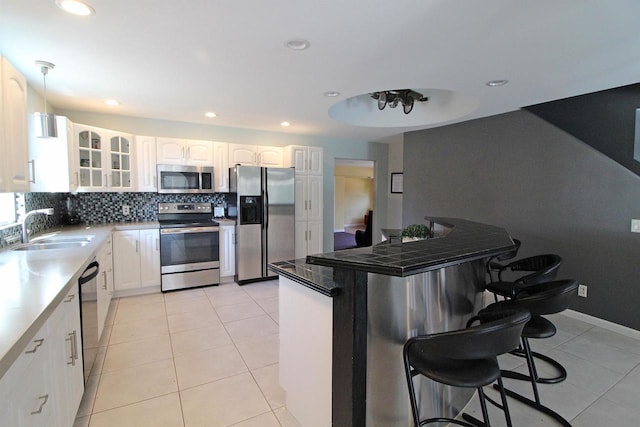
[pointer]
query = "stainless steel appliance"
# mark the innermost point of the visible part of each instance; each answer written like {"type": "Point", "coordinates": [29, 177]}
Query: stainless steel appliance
{"type": "Point", "coordinates": [185, 179]}
{"type": "Point", "coordinates": [88, 289]}
{"type": "Point", "coordinates": [266, 222]}
{"type": "Point", "coordinates": [189, 246]}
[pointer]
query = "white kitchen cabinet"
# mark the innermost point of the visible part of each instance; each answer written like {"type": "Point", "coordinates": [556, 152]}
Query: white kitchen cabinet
{"type": "Point", "coordinates": [44, 385]}
{"type": "Point", "coordinates": [174, 151]}
{"type": "Point", "coordinates": [305, 160]}
{"type": "Point", "coordinates": [149, 258]}
{"type": "Point", "coordinates": [104, 159]}
{"type": "Point", "coordinates": [54, 165]}
{"type": "Point", "coordinates": [227, 252]}
{"type": "Point", "coordinates": [255, 155]}
{"type": "Point", "coordinates": [308, 238]}
{"type": "Point", "coordinates": [14, 150]}
{"type": "Point", "coordinates": [136, 259]}
{"type": "Point", "coordinates": [146, 173]}
{"type": "Point", "coordinates": [221, 167]}
{"type": "Point", "coordinates": [68, 363]}
{"type": "Point", "coordinates": [104, 283]}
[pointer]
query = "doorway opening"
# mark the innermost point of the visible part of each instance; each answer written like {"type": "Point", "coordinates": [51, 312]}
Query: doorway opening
{"type": "Point", "coordinates": [353, 204]}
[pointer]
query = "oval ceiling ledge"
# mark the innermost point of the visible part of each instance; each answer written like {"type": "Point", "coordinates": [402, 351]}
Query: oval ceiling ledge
{"type": "Point", "coordinates": [442, 106]}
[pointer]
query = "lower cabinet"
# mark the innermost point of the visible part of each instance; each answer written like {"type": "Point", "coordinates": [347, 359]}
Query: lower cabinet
{"type": "Point", "coordinates": [308, 238]}
{"type": "Point", "coordinates": [104, 283]}
{"type": "Point", "coordinates": [136, 259]}
{"type": "Point", "coordinates": [227, 252]}
{"type": "Point", "coordinates": [44, 386]}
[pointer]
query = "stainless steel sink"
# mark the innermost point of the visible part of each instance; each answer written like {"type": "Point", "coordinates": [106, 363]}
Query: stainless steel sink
{"type": "Point", "coordinates": [40, 246]}
{"type": "Point", "coordinates": [72, 239]}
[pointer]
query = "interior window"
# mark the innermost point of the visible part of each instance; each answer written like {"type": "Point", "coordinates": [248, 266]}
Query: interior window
{"type": "Point", "coordinates": [7, 208]}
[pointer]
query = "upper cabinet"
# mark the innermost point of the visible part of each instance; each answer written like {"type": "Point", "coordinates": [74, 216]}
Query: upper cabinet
{"type": "Point", "coordinates": [173, 151]}
{"type": "Point", "coordinates": [54, 165]}
{"type": "Point", "coordinates": [221, 167]}
{"type": "Point", "coordinates": [255, 155]}
{"type": "Point", "coordinates": [146, 165]}
{"type": "Point", "coordinates": [104, 159]}
{"type": "Point", "coordinates": [14, 149]}
{"type": "Point", "coordinates": [305, 160]}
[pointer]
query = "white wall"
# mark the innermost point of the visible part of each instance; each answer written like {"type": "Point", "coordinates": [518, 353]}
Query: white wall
{"type": "Point", "coordinates": [394, 207]}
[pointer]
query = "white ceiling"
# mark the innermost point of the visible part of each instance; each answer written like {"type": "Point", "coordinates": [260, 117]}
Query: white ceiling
{"type": "Point", "coordinates": [175, 60]}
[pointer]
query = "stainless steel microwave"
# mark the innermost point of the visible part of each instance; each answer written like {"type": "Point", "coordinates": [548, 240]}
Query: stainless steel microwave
{"type": "Point", "coordinates": [185, 179]}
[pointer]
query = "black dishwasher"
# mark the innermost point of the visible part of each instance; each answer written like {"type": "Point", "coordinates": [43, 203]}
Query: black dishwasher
{"type": "Point", "coordinates": [89, 315]}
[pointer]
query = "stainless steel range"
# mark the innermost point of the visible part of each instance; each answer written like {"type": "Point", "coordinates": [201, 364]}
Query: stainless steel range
{"type": "Point", "coordinates": [189, 246]}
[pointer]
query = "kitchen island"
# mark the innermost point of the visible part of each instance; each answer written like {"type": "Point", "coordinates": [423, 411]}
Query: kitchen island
{"type": "Point", "coordinates": [344, 317]}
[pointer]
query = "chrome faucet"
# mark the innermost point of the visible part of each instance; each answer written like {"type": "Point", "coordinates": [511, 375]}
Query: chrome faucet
{"type": "Point", "coordinates": [25, 232]}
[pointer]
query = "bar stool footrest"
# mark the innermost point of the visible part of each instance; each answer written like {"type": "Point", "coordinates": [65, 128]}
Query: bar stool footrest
{"type": "Point", "coordinates": [537, 406]}
{"type": "Point", "coordinates": [562, 372]}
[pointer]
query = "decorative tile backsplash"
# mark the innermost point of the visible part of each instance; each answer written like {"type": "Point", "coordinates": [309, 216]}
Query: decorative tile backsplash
{"type": "Point", "coordinates": [96, 208]}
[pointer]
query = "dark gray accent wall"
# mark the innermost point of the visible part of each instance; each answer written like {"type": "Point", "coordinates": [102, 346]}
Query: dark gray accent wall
{"type": "Point", "coordinates": [545, 187]}
{"type": "Point", "coordinates": [606, 120]}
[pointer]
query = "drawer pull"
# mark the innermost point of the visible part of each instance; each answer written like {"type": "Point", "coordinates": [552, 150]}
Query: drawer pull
{"type": "Point", "coordinates": [38, 344]}
{"type": "Point", "coordinates": [70, 298]}
{"type": "Point", "coordinates": [44, 398]}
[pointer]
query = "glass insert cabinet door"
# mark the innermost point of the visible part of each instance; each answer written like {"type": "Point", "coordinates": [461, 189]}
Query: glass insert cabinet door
{"type": "Point", "coordinates": [120, 158]}
{"type": "Point", "coordinates": [90, 159]}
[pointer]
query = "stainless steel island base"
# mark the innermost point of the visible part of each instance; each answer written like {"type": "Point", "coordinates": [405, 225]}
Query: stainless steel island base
{"type": "Point", "coordinates": [402, 307]}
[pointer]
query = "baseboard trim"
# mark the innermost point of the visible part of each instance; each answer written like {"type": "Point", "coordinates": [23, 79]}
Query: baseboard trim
{"type": "Point", "coordinates": [604, 324]}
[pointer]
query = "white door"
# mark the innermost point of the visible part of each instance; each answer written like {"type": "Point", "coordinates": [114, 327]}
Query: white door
{"type": "Point", "coordinates": [221, 167]}
{"type": "Point", "coordinates": [314, 194]}
{"type": "Point", "coordinates": [126, 260]}
{"type": "Point", "coordinates": [314, 161]}
{"type": "Point", "coordinates": [270, 156]}
{"type": "Point", "coordinates": [301, 236]}
{"type": "Point", "coordinates": [199, 153]}
{"type": "Point", "coordinates": [146, 162]}
{"type": "Point", "coordinates": [240, 154]}
{"type": "Point", "coordinates": [170, 151]}
{"type": "Point", "coordinates": [149, 258]}
{"type": "Point", "coordinates": [314, 238]}
{"type": "Point", "coordinates": [228, 251]}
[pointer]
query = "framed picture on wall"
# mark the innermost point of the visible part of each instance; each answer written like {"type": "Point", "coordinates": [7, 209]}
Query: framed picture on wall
{"type": "Point", "coordinates": [396, 182]}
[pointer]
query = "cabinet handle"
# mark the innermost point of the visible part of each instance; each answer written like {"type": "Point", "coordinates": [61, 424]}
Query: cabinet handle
{"type": "Point", "coordinates": [33, 170]}
{"type": "Point", "coordinates": [104, 286]}
{"type": "Point", "coordinates": [38, 344]}
{"type": "Point", "coordinates": [77, 178]}
{"type": "Point", "coordinates": [44, 398]}
{"type": "Point", "coordinates": [305, 205]}
{"type": "Point", "coordinates": [71, 340]}
{"type": "Point", "coordinates": [137, 245]}
{"type": "Point", "coordinates": [309, 204]}
{"type": "Point", "coordinates": [155, 181]}
{"type": "Point", "coordinates": [157, 244]}
{"type": "Point", "coordinates": [70, 298]}
{"type": "Point", "coordinates": [106, 183]}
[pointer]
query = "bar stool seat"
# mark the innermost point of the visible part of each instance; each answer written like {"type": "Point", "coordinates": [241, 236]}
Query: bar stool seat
{"type": "Point", "coordinates": [540, 299]}
{"type": "Point", "coordinates": [464, 358]}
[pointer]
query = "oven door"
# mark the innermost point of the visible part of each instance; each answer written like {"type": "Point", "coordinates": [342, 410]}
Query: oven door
{"type": "Point", "coordinates": [189, 249]}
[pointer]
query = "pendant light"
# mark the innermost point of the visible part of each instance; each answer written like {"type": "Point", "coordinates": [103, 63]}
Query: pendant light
{"type": "Point", "coordinates": [45, 122]}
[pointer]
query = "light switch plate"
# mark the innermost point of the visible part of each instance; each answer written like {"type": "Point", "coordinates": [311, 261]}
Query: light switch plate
{"type": "Point", "coordinates": [635, 225]}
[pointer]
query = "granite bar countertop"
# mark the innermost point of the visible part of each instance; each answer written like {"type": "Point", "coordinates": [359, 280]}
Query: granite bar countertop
{"type": "Point", "coordinates": [315, 277]}
{"type": "Point", "coordinates": [456, 241]}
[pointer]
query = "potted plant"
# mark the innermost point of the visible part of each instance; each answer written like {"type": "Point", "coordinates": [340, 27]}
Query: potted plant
{"type": "Point", "coordinates": [415, 232]}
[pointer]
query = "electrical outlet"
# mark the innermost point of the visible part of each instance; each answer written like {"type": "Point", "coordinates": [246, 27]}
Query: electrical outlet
{"type": "Point", "coordinates": [126, 210]}
{"type": "Point", "coordinates": [582, 291]}
{"type": "Point", "coordinates": [635, 225]}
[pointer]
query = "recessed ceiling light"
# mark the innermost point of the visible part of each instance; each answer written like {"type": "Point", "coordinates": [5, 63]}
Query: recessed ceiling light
{"type": "Point", "coordinates": [285, 124]}
{"type": "Point", "coordinates": [112, 102]}
{"type": "Point", "coordinates": [210, 114]}
{"type": "Point", "coordinates": [298, 44]}
{"type": "Point", "coordinates": [332, 94]}
{"type": "Point", "coordinates": [495, 83]}
{"type": "Point", "coordinates": [76, 7]}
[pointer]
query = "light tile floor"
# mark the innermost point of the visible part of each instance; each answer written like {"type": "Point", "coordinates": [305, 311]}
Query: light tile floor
{"type": "Point", "coordinates": [209, 357]}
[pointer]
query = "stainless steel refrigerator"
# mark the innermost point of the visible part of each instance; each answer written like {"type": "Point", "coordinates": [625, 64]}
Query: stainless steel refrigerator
{"type": "Point", "coordinates": [266, 219]}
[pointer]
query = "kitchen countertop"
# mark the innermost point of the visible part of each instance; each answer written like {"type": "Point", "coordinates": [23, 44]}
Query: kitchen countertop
{"type": "Point", "coordinates": [315, 277]}
{"type": "Point", "coordinates": [456, 241]}
{"type": "Point", "coordinates": [35, 282]}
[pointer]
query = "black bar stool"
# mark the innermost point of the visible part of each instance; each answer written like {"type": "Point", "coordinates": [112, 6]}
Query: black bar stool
{"type": "Point", "coordinates": [464, 358]}
{"type": "Point", "coordinates": [539, 299]}
{"type": "Point", "coordinates": [541, 268]}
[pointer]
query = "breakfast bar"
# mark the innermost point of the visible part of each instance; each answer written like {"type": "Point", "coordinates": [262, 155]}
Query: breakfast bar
{"type": "Point", "coordinates": [345, 316]}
